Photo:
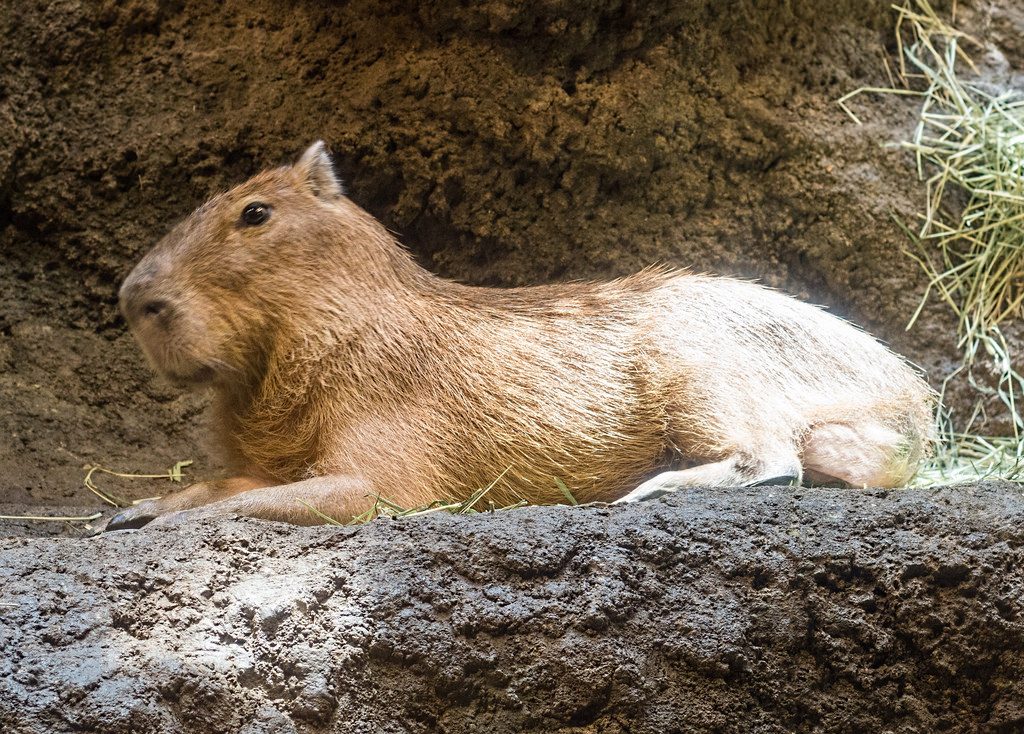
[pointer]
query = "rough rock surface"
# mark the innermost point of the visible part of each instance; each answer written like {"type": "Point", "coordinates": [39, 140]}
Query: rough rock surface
{"type": "Point", "coordinates": [746, 610]}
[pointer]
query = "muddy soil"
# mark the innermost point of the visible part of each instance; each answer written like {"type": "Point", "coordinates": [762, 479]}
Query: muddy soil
{"type": "Point", "coordinates": [506, 143]}
{"type": "Point", "coordinates": [761, 610]}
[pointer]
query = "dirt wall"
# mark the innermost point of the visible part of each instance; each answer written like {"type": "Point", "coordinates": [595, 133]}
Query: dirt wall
{"type": "Point", "coordinates": [506, 142]}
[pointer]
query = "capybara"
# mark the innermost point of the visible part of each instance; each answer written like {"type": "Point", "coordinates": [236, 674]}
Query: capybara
{"type": "Point", "coordinates": [342, 371]}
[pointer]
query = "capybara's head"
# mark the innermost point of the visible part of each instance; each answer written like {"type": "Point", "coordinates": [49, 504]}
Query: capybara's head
{"type": "Point", "coordinates": [208, 297]}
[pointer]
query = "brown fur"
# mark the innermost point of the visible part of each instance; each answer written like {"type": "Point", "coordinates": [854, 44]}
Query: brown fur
{"type": "Point", "coordinates": [332, 354]}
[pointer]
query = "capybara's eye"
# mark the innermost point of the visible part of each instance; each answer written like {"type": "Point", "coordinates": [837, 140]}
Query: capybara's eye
{"type": "Point", "coordinates": [255, 213]}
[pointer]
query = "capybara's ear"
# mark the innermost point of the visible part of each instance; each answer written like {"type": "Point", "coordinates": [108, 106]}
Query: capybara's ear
{"type": "Point", "coordinates": [315, 169]}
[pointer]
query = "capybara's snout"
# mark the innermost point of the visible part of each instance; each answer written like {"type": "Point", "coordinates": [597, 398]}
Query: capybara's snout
{"type": "Point", "coordinates": [162, 319]}
{"type": "Point", "coordinates": [144, 299]}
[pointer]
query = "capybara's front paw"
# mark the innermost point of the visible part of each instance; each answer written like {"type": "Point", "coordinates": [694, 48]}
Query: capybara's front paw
{"type": "Point", "coordinates": [188, 517]}
{"type": "Point", "coordinates": [135, 516]}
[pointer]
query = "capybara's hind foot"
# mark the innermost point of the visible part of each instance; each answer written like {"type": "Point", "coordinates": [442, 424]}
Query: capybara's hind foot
{"type": "Point", "coordinates": [738, 470]}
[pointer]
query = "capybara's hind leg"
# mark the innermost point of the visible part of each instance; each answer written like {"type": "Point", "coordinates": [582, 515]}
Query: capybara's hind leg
{"type": "Point", "coordinates": [861, 454]}
{"type": "Point", "coordinates": [741, 469]}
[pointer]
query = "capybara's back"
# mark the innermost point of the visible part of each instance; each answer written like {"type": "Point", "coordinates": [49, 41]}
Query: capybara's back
{"type": "Point", "coordinates": [342, 370]}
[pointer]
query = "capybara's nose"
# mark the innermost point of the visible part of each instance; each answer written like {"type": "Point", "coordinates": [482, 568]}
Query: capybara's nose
{"type": "Point", "coordinates": [146, 309]}
{"type": "Point", "coordinates": [138, 302]}
{"type": "Point", "coordinates": [128, 299]}
{"type": "Point", "coordinates": [153, 308]}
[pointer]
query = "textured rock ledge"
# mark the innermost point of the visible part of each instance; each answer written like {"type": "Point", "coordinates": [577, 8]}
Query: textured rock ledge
{"type": "Point", "coordinates": [766, 610]}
